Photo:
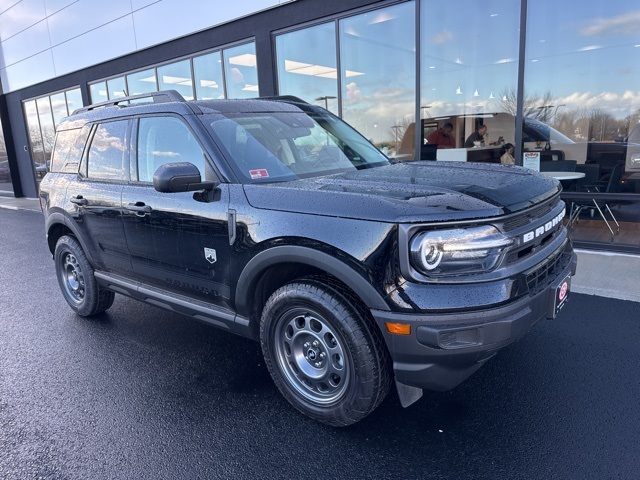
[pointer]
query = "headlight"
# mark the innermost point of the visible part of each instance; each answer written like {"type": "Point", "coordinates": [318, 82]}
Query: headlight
{"type": "Point", "coordinates": [458, 251]}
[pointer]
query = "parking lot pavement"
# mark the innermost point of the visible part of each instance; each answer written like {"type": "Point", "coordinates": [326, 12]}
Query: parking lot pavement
{"type": "Point", "coordinates": [13, 203]}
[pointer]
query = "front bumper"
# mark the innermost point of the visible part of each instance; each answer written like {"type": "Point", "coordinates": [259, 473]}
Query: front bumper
{"type": "Point", "coordinates": [444, 349]}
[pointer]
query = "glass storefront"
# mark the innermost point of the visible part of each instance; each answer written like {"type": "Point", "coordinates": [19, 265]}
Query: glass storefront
{"type": "Point", "coordinates": [579, 109]}
{"type": "Point", "coordinates": [307, 65]}
{"type": "Point", "coordinates": [142, 82]}
{"type": "Point", "coordinates": [177, 76]}
{"type": "Point", "coordinates": [375, 90]}
{"type": "Point", "coordinates": [378, 75]}
{"type": "Point", "coordinates": [42, 116]}
{"type": "Point", "coordinates": [469, 75]}
{"type": "Point", "coordinates": [209, 81]}
{"type": "Point", "coordinates": [6, 186]}
{"type": "Point", "coordinates": [241, 71]}
{"type": "Point", "coordinates": [581, 73]}
{"type": "Point", "coordinates": [200, 77]}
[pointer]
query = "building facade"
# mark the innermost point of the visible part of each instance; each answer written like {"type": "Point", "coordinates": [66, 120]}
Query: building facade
{"type": "Point", "coordinates": [557, 80]}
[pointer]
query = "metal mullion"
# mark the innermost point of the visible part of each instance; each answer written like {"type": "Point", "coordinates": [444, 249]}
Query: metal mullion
{"type": "Point", "coordinates": [520, 82]}
{"type": "Point", "coordinates": [417, 141]}
{"type": "Point", "coordinates": [224, 74]}
{"type": "Point", "coordinates": [338, 65]}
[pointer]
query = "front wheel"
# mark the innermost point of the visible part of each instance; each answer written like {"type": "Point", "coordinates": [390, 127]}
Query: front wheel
{"type": "Point", "coordinates": [77, 282]}
{"type": "Point", "coordinates": [325, 359]}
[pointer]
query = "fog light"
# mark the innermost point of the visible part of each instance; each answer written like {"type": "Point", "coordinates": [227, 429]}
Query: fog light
{"type": "Point", "coordinates": [459, 338]}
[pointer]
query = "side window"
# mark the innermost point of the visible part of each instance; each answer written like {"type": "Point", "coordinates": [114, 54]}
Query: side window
{"type": "Point", "coordinates": [165, 140]}
{"type": "Point", "coordinates": [67, 152]}
{"type": "Point", "coordinates": [107, 157]}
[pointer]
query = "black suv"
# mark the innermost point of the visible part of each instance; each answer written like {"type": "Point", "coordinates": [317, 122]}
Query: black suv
{"type": "Point", "coordinates": [275, 220]}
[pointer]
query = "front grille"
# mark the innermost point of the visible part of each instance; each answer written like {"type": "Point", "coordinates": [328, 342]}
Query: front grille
{"type": "Point", "coordinates": [530, 216]}
{"type": "Point", "coordinates": [543, 274]}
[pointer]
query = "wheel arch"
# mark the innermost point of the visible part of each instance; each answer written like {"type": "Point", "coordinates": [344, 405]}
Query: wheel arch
{"type": "Point", "coordinates": [56, 226]}
{"type": "Point", "coordinates": [271, 268]}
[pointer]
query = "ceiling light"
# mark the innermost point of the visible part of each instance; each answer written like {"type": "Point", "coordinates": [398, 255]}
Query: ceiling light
{"type": "Point", "coordinates": [245, 60]}
{"type": "Point", "coordinates": [176, 80]}
{"type": "Point", "coordinates": [458, 91]}
{"type": "Point", "coordinates": [208, 84]}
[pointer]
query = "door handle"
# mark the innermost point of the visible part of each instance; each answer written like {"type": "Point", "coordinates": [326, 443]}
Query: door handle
{"type": "Point", "coordinates": [140, 208]}
{"type": "Point", "coordinates": [79, 200]}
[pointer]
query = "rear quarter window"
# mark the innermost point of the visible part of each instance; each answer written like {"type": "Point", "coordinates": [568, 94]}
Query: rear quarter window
{"type": "Point", "coordinates": [107, 157]}
{"type": "Point", "coordinates": [68, 149]}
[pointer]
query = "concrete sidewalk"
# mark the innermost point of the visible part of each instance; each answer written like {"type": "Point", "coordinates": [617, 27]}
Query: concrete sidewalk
{"type": "Point", "coordinates": [606, 274]}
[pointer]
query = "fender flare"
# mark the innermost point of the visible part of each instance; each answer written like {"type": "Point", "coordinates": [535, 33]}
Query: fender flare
{"type": "Point", "coordinates": [59, 218]}
{"type": "Point", "coordinates": [306, 256]}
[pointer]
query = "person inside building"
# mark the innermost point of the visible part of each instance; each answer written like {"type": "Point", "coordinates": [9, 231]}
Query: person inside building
{"type": "Point", "coordinates": [442, 137]}
{"type": "Point", "coordinates": [476, 139]}
{"type": "Point", "coordinates": [506, 154]}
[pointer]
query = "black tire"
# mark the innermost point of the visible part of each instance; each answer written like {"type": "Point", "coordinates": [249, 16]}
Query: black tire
{"type": "Point", "coordinates": [324, 357]}
{"type": "Point", "coordinates": [77, 282]}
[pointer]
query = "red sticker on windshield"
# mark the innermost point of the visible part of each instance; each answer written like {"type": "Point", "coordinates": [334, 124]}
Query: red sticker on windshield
{"type": "Point", "coordinates": [259, 173]}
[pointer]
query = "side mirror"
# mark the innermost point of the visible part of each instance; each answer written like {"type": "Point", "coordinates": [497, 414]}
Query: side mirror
{"type": "Point", "coordinates": [179, 177]}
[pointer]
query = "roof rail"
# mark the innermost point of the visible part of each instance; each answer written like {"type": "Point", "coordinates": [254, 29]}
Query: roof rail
{"type": "Point", "coordinates": [163, 96]}
{"type": "Point", "coordinates": [283, 98]}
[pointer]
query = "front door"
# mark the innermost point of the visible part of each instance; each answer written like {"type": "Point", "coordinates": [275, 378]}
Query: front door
{"type": "Point", "coordinates": [178, 241]}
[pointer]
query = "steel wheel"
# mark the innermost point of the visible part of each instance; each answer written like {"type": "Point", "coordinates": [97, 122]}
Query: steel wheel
{"type": "Point", "coordinates": [77, 282]}
{"type": "Point", "coordinates": [311, 356]}
{"type": "Point", "coordinates": [72, 278]}
{"type": "Point", "coordinates": [324, 355]}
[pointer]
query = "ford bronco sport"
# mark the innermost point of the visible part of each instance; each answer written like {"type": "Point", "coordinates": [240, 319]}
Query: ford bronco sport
{"type": "Point", "coordinates": [275, 220]}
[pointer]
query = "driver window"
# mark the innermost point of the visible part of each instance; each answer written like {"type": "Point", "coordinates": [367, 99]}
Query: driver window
{"type": "Point", "coordinates": [165, 140]}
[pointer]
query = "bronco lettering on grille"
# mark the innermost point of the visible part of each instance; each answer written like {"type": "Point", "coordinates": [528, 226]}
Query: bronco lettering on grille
{"type": "Point", "coordinates": [542, 229]}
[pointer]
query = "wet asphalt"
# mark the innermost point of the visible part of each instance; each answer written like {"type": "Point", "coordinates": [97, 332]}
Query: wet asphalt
{"type": "Point", "coordinates": [142, 393]}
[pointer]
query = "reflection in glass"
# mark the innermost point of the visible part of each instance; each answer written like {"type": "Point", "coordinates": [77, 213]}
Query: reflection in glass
{"type": "Point", "coordinates": [208, 72]}
{"type": "Point", "coordinates": [58, 107]}
{"type": "Point", "coordinates": [579, 89]}
{"type": "Point", "coordinates": [47, 130]}
{"type": "Point", "coordinates": [378, 75]}
{"type": "Point", "coordinates": [142, 82]}
{"type": "Point", "coordinates": [35, 137]}
{"type": "Point", "coordinates": [98, 92]}
{"type": "Point", "coordinates": [177, 76]}
{"type": "Point", "coordinates": [241, 72]}
{"type": "Point", "coordinates": [74, 100]}
{"type": "Point", "coordinates": [106, 155]}
{"type": "Point", "coordinates": [469, 74]}
{"type": "Point", "coordinates": [163, 140]}
{"type": "Point", "coordinates": [116, 88]}
{"type": "Point", "coordinates": [307, 65]}
{"type": "Point", "coordinates": [5, 174]}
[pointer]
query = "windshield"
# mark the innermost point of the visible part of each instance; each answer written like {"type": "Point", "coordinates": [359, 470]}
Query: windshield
{"type": "Point", "coordinates": [267, 147]}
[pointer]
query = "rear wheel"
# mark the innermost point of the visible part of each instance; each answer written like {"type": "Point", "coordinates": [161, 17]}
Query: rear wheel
{"type": "Point", "coordinates": [325, 358]}
{"type": "Point", "coordinates": [77, 282]}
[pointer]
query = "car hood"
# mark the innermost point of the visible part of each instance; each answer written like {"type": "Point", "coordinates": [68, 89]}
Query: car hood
{"type": "Point", "coordinates": [410, 192]}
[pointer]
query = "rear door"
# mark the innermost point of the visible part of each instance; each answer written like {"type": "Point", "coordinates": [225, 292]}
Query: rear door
{"type": "Point", "coordinates": [178, 241]}
{"type": "Point", "coordinates": [94, 196]}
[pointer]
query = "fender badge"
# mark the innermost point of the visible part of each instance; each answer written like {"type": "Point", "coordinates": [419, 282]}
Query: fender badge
{"type": "Point", "coordinates": [210, 255]}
